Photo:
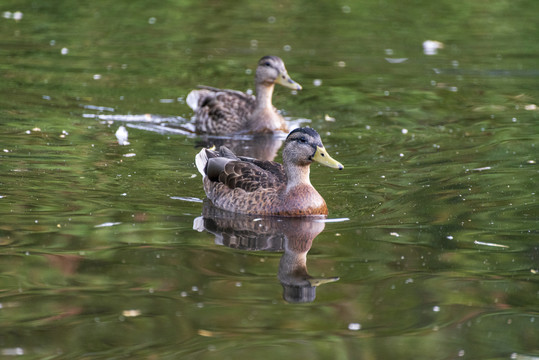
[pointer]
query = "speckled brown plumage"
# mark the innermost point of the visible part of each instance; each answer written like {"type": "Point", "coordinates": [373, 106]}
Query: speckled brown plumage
{"type": "Point", "coordinates": [251, 186]}
{"type": "Point", "coordinates": [219, 111]}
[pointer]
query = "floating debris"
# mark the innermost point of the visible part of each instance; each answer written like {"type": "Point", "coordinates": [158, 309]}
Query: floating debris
{"type": "Point", "coordinates": [107, 224]}
{"type": "Point", "coordinates": [333, 220]}
{"type": "Point", "coordinates": [482, 168]}
{"type": "Point", "coordinates": [431, 47]}
{"type": "Point", "coordinates": [329, 118]}
{"type": "Point", "coordinates": [131, 313]}
{"type": "Point", "coordinates": [121, 135]}
{"type": "Point", "coordinates": [396, 60]}
{"type": "Point", "coordinates": [187, 198]}
{"type": "Point", "coordinates": [490, 244]}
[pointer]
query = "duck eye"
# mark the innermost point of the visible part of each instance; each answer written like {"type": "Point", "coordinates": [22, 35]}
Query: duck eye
{"type": "Point", "coordinates": [267, 64]}
{"type": "Point", "coordinates": [302, 140]}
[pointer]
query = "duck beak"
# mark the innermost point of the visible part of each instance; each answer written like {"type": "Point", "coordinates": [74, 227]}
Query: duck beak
{"type": "Point", "coordinates": [285, 80]}
{"type": "Point", "coordinates": [322, 156]}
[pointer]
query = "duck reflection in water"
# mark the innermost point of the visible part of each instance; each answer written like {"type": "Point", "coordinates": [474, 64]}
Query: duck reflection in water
{"type": "Point", "coordinates": [293, 236]}
{"type": "Point", "coordinates": [258, 146]}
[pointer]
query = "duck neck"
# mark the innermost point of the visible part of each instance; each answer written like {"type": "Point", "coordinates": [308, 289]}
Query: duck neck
{"type": "Point", "coordinates": [297, 175]}
{"type": "Point", "coordinates": [264, 92]}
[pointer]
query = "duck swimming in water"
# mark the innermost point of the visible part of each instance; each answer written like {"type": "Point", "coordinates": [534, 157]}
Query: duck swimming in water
{"type": "Point", "coordinates": [250, 186]}
{"type": "Point", "coordinates": [224, 112]}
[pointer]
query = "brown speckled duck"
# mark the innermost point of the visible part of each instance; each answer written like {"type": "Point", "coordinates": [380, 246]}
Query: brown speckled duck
{"type": "Point", "coordinates": [249, 186]}
{"type": "Point", "coordinates": [223, 112]}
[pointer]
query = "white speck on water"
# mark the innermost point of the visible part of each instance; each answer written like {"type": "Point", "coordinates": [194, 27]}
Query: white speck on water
{"type": "Point", "coordinates": [455, 63]}
{"type": "Point", "coordinates": [248, 71]}
{"type": "Point", "coordinates": [97, 77]}
{"type": "Point", "coordinates": [249, 91]}
{"type": "Point", "coordinates": [238, 284]}
{"type": "Point", "coordinates": [461, 353]}
{"type": "Point", "coordinates": [401, 155]}
{"type": "Point", "coordinates": [193, 176]}
{"type": "Point", "coordinates": [52, 42]}
{"type": "Point", "coordinates": [396, 60]}
{"type": "Point", "coordinates": [166, 101]}
{"type": "Point", "coordinates": [46, 97]}
{"type": "Point", "coordinates": [430, 47]}
{"type": "Point", "coordinates": [354, 326]}
{"type": "Point", "coordinates": [17, 15]}
{"type": "Point", "coordinates": [346, 9]}
{"type": "Point", "coordinates": [152, 20]}
{"type": "Point", "coordinates": [317, 82]}
{"type": "Point", "coordinates": [389, 51]}
{"type": "Point", "coordinates": [186, 198]}
{"type": "Point", "coordinates": [514, 119]}
{"type": "Point", "coordinates": [107, 224]}
{"type": "Point", "coordinates": [394, 234]}
{"type": "Point", "coordinates": [121, 135]}
{"type": "Point", "coordinates": [287, 48]}
{"type": "Point", "coordinates": [13, 351]}
{"type": "Point", "coordinates": [271, 19]}
{"type": "Point", "coordinates": [449, 237]}
{"type": "Point", "coordinates": [368, 127]}
{"type": "Point", "coordinates": [123, 194]}
{"type": "Point", "coordinates": [335, 220]}
{"type": "Point", "coordinates": [129, 155]}
{"type": "Point", "coordinates": [194, 288]}
{"type": "Point", "coordinates": [254, 43]}
{"type": "Point", "coordinates": [436, 309]}
{"type": "Point", "coordinates": [404, 131]}
{"type": "Point", "coordinates": [183, 294]}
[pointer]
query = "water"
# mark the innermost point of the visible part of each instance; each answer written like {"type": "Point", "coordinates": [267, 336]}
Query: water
{"type": "Point", "coordinates": [431, 250]}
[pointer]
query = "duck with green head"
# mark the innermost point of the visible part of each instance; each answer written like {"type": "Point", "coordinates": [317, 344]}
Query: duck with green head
{"type": "Point", "coordinates": [250, 186]}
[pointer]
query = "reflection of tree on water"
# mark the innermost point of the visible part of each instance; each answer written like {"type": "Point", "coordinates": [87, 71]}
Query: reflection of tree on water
{"type": "Point", "coordinates": [294, 236]}
{"type": "Point", "coordinates": [260, 146]}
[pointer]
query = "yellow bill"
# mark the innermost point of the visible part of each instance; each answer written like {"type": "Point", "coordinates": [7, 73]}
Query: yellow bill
{"type": "Point", "coordinates": [285, 80]}
{"type": "Point", "coordinates": [322, 156]}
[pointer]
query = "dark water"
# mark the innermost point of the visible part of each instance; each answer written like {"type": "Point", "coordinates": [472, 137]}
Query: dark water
{"type": "Point", "coordinates": [431, 251]}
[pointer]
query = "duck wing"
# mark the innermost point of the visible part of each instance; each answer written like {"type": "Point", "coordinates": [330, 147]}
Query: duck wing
{"type": "Point", "coordinates": [243, 173]}
{"type": "Point", "coordinates": [220, 110]}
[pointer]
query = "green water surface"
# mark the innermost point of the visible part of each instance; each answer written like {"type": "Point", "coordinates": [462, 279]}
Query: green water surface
{"type": "Point", "coordinates": [108, 251]}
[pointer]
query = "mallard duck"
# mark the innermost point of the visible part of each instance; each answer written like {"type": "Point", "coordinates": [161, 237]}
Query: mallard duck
{"type": "Point", "coordinates": [251, 186]}
{"type": "Point", "coordinates": [222, 112]}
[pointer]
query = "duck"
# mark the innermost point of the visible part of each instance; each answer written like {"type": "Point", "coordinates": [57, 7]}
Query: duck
{"type": "Point", "coordinates": [261, 187]}
{"type": "Point", "coordinates": [226, 112]}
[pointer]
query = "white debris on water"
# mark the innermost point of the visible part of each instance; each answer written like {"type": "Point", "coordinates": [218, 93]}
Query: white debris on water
{"type": "Point", "coordinates": [121, 135]}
